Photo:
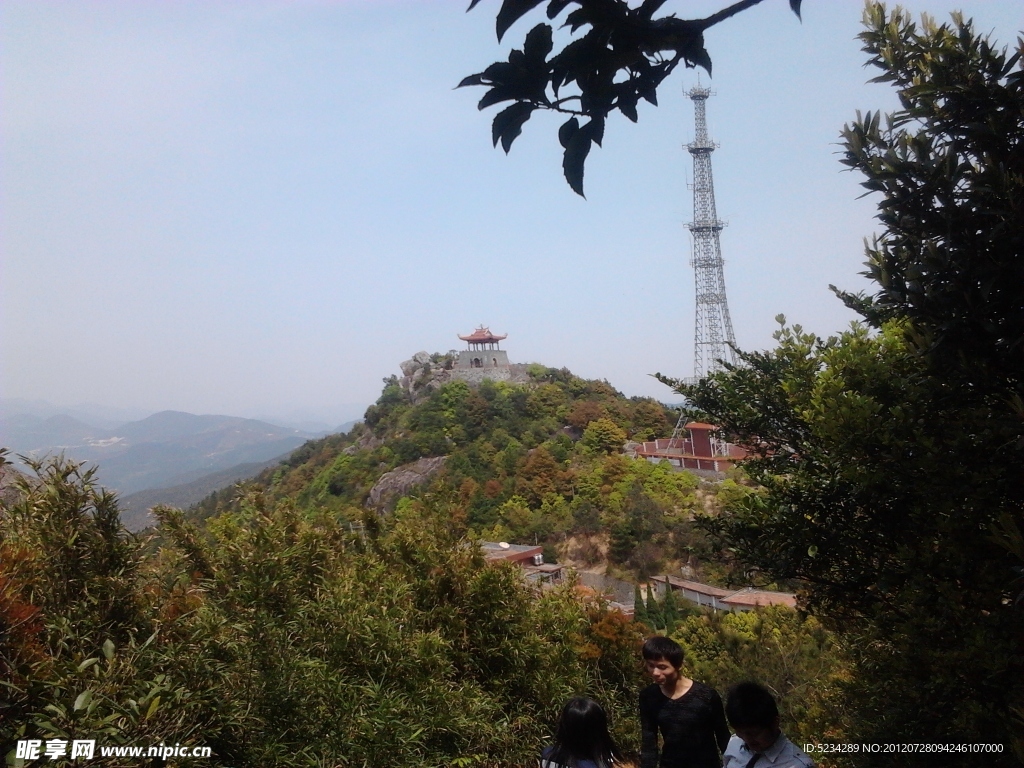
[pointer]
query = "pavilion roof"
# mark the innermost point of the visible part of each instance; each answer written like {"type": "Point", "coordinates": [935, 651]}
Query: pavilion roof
{"type": "Point", "coordinates": [482, 334]}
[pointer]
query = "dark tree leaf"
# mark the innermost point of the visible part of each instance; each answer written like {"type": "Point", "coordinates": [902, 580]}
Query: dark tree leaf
{"type": "Point", "coordinates": [573, 160]}
{"type": "Point", "coordinates": [627, 106]}
{"type": "Point", "coordinates": [555, 7]}
{"type": "Point", "coordinates": [511, 11]}
{"type": "Point", "coordinates": [648, 8]}
{"type": "Point", "coordinates": [538, 43]}
{"type": "Point", "coordinates": [649, 92]}
{"type": "Point", "coordinates": [567, 131]}
{"type": "Point", "coordinates": [595, 130]}
{"type": "Point", "coordinates": [497, 73]}
{"type": "Point", "coordinates": [472, 5]}
{"type": "Point", "coordinates": [577, 19]}
{"type": "Point", "coordinates": [477, 79]}
{"type": "Point", "coordinates": [618, 54]}
{"type": "Point", "coordinates": [795, 5]}
{"type": "Point", "coordinates": [567, 62]}
{"type": "Point", "coordinates": [698, 54]}
{"type": "Point", "coordinates": [496, 95]}
{"type": "Point", "coordinates": [508, 124]}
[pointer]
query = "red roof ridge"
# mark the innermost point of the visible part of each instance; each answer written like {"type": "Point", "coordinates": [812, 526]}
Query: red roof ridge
{"type": "Point", "coordinates": [482, 333]}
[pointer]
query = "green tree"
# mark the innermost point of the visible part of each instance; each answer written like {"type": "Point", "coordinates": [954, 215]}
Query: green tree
{"type": "Point", "coordinates": [586, 515]}
{"type": "Point", "coordinates": [889, 457]}
{"type": "Point", "coordinates": [82, 650]}
{"type": "Point", "coordinates": [583, 412]}
{"type": "Point", "coordinates": [645, 521]}
{"type": "Point", "coordinates": [792, 654]}
{"type": "Point", "coordinates": [622, 56]}
{"type": "Point", "coordinates": [517, 515]}
{"type": "Point", "coordinates": [669, 610]}
{"type": "Point", "coordinates": [650, 420]}
{"type": "Point", "coordinates": [654, 617]}
{"type": "Point", "coordinates": [639, 609]}
{"type": "Point", "coordinates": [604, 435]}
{"type": "Point", "coordinates": [949, 169]}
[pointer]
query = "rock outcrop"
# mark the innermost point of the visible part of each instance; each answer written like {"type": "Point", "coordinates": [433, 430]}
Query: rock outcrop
{"type": "Point", "coordinates": [423, 373]}
{"type": "Point", "coordinates": [367, 441]}
{"type": "Point", "coordinates": [401, 480]}
{"type": "Point", "coordinates": [10, 494]}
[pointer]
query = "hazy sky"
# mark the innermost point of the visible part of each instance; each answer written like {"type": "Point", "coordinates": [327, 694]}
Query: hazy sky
{"type": "Point", "coordinates": [258, 208]}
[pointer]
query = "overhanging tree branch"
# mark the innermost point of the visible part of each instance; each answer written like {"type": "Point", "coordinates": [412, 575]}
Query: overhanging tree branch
{"type": "Point", "coordinates": [618, 59]}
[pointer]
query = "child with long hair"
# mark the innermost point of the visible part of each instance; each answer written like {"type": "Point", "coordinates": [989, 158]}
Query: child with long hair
{"type": "Point", "coordinates": [582, 739]}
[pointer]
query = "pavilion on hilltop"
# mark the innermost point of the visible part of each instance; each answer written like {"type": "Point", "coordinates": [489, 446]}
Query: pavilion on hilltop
{"type": "Point", "coordinates": [482, 351]}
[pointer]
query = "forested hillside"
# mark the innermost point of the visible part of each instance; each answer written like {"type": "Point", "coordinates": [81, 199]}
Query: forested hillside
{"type": "Point", "coordinates": [532, 463]}
{"type": "Point", "coordinates": [288, 623]}
{"type": "Point", "coordinates": [280, 637]}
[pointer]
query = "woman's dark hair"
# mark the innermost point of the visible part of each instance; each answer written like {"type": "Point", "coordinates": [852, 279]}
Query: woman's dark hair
{"type": "Point", "coordinates": [660, 647]}
{"type": "Point", "coordinates": [583, 735]}
{"type": "Point", "coordinates": [749, 705]}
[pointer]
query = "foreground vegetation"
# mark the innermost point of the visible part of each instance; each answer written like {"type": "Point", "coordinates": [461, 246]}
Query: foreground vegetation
{"type": "Point", "coordinates": [287, 637]}
{"type": "Point", "coordinates": [278, 638]}
{"type": "Point", "coordinates": [890, 455]}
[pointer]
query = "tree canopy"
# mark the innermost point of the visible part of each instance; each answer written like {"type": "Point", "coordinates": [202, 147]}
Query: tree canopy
{"type": "Point", "coordinates": [621, 55]}
{"type": "Point", "coordinates": [891, 455]}
{"type": "Point", "coordinates": [279, 637]}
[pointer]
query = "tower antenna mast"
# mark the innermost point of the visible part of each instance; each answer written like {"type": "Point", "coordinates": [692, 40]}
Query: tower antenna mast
{"type": "Point", "coordinates": [712, 333]}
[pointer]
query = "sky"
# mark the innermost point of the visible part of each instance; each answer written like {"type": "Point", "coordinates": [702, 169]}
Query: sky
{"type": "Point", "coordinates": [260, 208]}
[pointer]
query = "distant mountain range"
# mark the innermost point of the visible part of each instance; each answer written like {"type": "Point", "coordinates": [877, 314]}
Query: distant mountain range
{"type": "Point", "coordinates": [135, 506]}
{"type": "Point", "coordinates": [185, 455]}
{"type": "Point", "coordinates": [312, 420]}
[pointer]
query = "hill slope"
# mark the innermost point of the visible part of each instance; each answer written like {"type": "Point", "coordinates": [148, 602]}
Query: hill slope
{"type": "Point", "coordinates": [531, 462]}
{"type": "Point", "coordinates": [135, 506]}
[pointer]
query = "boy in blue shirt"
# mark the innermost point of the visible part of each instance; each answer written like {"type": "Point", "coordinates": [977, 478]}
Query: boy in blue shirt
{"type": "Point", "coordinates": [758, 743]}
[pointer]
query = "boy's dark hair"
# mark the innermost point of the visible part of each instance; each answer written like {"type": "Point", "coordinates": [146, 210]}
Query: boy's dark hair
{"type": "Point", "coordinates": [660, 647]}
{"type": "Point", "coordinates": [750, 705]}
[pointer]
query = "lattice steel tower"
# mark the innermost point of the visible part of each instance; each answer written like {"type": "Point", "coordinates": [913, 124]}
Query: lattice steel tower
{"type": "Point", "coordinates": [712, 332]}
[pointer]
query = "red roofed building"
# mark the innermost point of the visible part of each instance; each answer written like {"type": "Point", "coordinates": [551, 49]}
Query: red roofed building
{"type": "Point", "coordinates": [482, 354]}
{"type": "Point", "coordinates": [718, 599]}
{"type": "Point", "coordinates": [521, 554]}
{"type": "Point", "coordinates": [749, 598]}
{"type": "Point", "coordinates": [482, 338]}
{"type": "Point", "coordinates": [701, 450]}
{"type": "Point", "coordinates": [530, 559]}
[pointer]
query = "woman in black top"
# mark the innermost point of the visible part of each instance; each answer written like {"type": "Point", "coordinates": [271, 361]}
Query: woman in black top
{"type": "Point", "coordinates": [582, 740]}
{"type": "Point", "coordinates": [689, 715]}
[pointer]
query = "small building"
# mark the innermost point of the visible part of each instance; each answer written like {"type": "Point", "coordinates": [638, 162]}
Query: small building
{"type": "Point", "coordinates": [702, 594]}
{"type": "Point", "coordinates": [748, 599]}
{"type": "Point", "coordinates": [482, 359]}
{"type": "Point", "coordinates": [530, 559]}
{"type": "Point", "coordinates": [482, 351]}
{"type": "Point", "coordinates": [544, 574]}
{"type": "Point", "coordinates": [719, 599]}
{"type": "Point", "coordinates": [701, 450]}
{"type": "Point", "coordinates": [520, 554]}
